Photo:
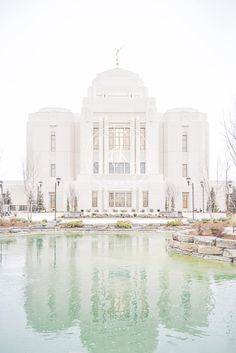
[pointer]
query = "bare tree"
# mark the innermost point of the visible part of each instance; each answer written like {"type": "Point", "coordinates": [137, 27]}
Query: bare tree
{"type": "Point", "coordinates": [230, 139]}
{"type": "Point", "coordinates": [72, 198]}
{"type": "Point", "coordinates": [171, 195]}
{"type": "Point", "coordinates": [230, 136]}
{"type": "Point", "coordinates": [30, 174]}
{"type": "Point", "coordinates": [212, 191]}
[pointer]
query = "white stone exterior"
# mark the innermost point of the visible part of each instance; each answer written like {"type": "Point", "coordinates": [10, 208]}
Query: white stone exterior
{"type": "Point", "coordinates": [119, 130]}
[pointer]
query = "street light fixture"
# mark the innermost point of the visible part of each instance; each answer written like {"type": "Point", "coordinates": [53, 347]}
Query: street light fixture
{"type": "Point", "coordinates": [57, 183]}
{"type": "Point", "coordinates": [202, 186]}
{"type": "Point", "coordinates": [229, 185]}
{"type": "Point", "coordinates": [40, 183]}
{"type": "Point", "coordinates": [192, 184]}
{"type": "Point", "coordinates": [1, 201]}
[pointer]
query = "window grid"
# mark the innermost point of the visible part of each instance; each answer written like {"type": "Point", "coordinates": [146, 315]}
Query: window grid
{"type": "Point", "coordinates": [120, 199]}
{"type": "Point", "coordinates": [142, 167]}
{"type": "Point", "coordinates": [145, 198]}
{"type": "Point", "coordinates": [94, 199]}
{"type": "Point", "coordinates": [95, 167]}
{"type": "Point", "coordinates": [184, 170]}
{"type": "Point", "coordinates": [95, 138]}
{"type": "Point", "coordinates": [119, 138]}
{"type": "Point", "coordinates": [185, 199]}
{"type": "Point", "coordinates": [184, 142]}
{"type": "Point", "coordinates": [119, 168]}
{"type": "Point", "coordinates": [53, 170]}
{"type": "Point", "coordinates": [142, 138]}
{"type": "Point", "coordinates": [52, 199]}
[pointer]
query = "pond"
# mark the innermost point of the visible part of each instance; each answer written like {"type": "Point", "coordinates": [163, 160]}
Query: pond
{"type": "Point", "coordinates": [112, 293]}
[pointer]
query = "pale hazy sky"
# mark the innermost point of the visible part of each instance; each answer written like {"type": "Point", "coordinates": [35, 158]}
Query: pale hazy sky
{"type": "Point", "coordinates": [50, 50]}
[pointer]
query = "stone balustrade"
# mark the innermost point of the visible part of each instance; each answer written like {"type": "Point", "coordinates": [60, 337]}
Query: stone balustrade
{"type": "Point", "coordinates": [210, 248]}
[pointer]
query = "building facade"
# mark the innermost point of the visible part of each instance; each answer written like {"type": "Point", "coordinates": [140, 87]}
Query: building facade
{"type": "Point", "coordinates": [119, 153]}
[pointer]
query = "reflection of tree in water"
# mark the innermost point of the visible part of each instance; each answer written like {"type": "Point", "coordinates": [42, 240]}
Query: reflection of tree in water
{"type": "Point", "coordinates": [4, 244]}
{"type": "Point", "coordinates": [52, 290]}
{"type": "Point", "coordinates": [185, 301]}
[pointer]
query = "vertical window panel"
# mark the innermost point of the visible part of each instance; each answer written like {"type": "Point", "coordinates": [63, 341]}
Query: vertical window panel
{"type": "Point", "coordinates": [53, 142]}
{"type": "Point", "coordinates": [95, 168]}
{"type": "Point", "coordinates": [52, 170]}
{"type": "Point", "coordinates": [142, 138]}
{"type": "Point", "coordinates": [145, 198]}
{"type": "Point", "coordinates": [184, 142]}
{"type": "Point", "coordinates": [184, 170]}
{"type": "Point", "coordinates": [142, 167]}
{"type": "Point", "coordinates": [111, 199]}
{"type": "Point", "coordinates": [95, 138]}
{"type": "Point", "coordinates": [52, 200]}
{"type": "Point", "coordinates": [94, 199]}
{"type": "Point", "coordinates": [185, 200]}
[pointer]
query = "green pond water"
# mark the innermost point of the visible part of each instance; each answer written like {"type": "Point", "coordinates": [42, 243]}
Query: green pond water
{"type": "Point", "coordinates": [112, 293]}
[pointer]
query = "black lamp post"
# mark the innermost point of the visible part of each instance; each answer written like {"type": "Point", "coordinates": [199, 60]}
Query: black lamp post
{"type": "Point", "coordinates": [229, 185]}
{"type": "Point", "coordinates": [203, 201]}
{"type": "Point", "coordinates": [1, 195]}
{"type": "Point", "coordinates": [57, 183]}
{"type": "Point", "coordinates": [192, 184]}
{"type": "Point", "coordinates": [39, 189]}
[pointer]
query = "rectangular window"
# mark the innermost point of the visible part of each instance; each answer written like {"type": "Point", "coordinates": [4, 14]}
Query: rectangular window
{"type": "Point", "coordinates": [111, 199]}
{"type": "Point", "coordinates": [119, 168]}
{"type": "Point", "coordinates": [142, 167]}
{"type": "Point", "coordinates": [184, 170]}
{"type": "Point", "coordinates": [95, 167]}
{"type": "Point", "coordinates": [185, 199]}
{"type": "Point", "coordinates": [95, 138]}
{"type": "Point", "coordinates": [52, 170]}
{"type": "Point", "coordinates": [145, 198]}
{"type": "Point", "coordinates": [120, 199]}
{"type": "Point", "coordinates": [53, 142]}
{"type": "Point", "coordinates": [94, 199]}
{"type": "Point", "coordinates": [52, 200]}
{"type": "Point", "coordinates": [119, 138]}
{"type": "Point", "coordinates": [22, 207]}
{"type": "Point", "coordinates": [184, 142]}
{"type": "Point", "coordinates": [142, 138]}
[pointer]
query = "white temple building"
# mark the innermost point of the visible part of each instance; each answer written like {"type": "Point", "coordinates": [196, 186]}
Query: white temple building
{"type": "Point", "coordinates": [119, 153]}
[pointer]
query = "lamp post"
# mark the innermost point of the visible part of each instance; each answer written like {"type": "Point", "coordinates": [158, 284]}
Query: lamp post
{"type": "Point", "coordinates": [229, 186]}
{"type": "Point", "coordinates": [57, 183]}
{"type": "Point", "coordinates": [192, 184]}
{"type": "Point", "coordinates": [40, 183]}
{"type": "Point", "coordinates": [1, 195]}
{"type": "Point", "coordinates": [203, 202]}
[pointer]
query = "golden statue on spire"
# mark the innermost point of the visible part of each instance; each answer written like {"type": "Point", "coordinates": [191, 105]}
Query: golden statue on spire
{"type": "Point", "coordinates": [118, 57]}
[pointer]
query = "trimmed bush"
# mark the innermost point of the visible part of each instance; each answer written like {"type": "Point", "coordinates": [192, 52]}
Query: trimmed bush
{"type": "Point", "coordinates": [123, 224]}
{"type": "Point", "coordinates": [175, 223]}
{"type": "Point", "coordinates": [74, 224]}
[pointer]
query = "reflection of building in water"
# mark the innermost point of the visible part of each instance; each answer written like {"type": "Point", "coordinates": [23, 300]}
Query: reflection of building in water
{"type": "Point", "coordinates": [51, 293]}
{"type": "Point", "coordinates": [118, 289]}
{"type": "Point", "coordinates": [184, 302]}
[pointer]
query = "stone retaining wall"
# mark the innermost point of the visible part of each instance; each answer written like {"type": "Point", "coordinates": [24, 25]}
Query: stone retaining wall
{"type": "Point", "coordinates": [210, 248]}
